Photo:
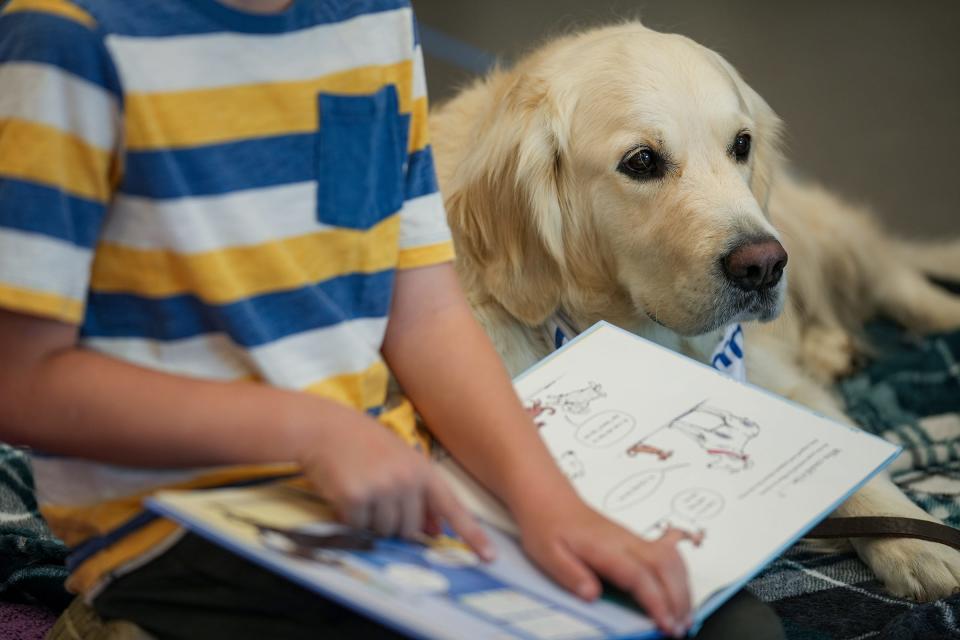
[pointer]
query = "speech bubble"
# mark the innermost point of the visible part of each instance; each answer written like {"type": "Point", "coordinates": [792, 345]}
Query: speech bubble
{"type": "Point", "coordinates": [605, 429]}
{"type": "Point", "coordinates": [697, 504]}
{"type": "Point", "coordinates": [634, 489]}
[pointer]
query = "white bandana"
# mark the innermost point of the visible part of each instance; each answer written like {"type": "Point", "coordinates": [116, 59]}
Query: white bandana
{"type": "Point", "coordinates": [727, 357]}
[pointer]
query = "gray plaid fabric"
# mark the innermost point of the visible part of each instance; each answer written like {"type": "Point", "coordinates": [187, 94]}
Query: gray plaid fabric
{"type": "Point", "coordinates": [31, 558]}
{"type": "Point", "coordinates": [910, 395]}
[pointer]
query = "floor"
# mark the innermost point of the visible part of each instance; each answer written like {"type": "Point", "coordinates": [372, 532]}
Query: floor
{"type": "Point", "coordinates": [869, 89]}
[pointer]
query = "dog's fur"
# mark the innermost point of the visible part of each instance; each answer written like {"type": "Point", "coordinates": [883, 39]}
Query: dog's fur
{"type": "Point", "coordinates": [527, 159]}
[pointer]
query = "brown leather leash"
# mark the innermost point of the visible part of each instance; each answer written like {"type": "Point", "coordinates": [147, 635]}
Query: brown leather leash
{"type": "Point", "coordinates": [886, 527]}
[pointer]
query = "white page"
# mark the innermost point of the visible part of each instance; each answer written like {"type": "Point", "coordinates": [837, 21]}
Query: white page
{"type": "Point", "coordinates": [655, 440]}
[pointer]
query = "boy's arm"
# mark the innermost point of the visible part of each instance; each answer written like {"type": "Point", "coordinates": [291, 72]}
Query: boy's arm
{"type": "Point", "coordinates": [449, 369]}
{"type": "Point", "coordinates": [59, 398]}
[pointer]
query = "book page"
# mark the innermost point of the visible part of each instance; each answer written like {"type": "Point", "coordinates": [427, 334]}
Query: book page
{"type": "Point", "coordinates": [660, 443]}
{"type": "Point", "coordinates": [654, 440]}
{"type": "Point", "coordinates": [432, 588]}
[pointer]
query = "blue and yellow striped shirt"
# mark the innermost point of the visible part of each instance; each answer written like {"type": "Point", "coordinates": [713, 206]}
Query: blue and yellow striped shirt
{"type": "Point", "coordinates": [215, 194]}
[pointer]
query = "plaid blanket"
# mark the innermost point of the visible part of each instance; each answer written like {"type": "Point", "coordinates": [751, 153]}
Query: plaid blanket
{"type": "Point", "coordinates": [910, 395]}
{"type": "Point", "coordinates": [31, 559]}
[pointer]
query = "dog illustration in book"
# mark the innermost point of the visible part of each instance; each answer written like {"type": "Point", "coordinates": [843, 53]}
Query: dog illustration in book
{"type": "Point", "coordinates": [571, 465]}
{"type": "Point", "coordinates": [674, 524]}
{"type": "Point", "coordinates": [642, 447]}
{"type": "Point", "coordinates": [536, 409]}
{"type": "Point", "coordinates": [723, 435]}
{"type": "Point", "coordinates": [578, 401]}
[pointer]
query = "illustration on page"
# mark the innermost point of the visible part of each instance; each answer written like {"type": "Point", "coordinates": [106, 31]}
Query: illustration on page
{"type": "Point", "coordinates": [723, 435]}
{"type": "Point", "coordinates": [690, 509]}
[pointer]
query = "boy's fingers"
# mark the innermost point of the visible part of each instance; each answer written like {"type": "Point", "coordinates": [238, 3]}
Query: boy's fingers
{"type": "Point", "coordinates": [411, 517]}
{"type": "Point", "coordinates": [443, 504]}
{"type": "Point", "coordinates": [431, 525]}
{"type": "Point", "coordinates": [676, 598]}
{"type": "Point", "coordinates": [568, 570]}
{"type": "Point", "coordinates": [649, 592]}
{"type": "Point", "coordinates": [609, 564]}
{"type": "Point", "coordinates": [626, 571]}
{"type": "Point", "coordinates": [386, 516]}
{"type": "Point", "coordinates": [356, 515]}
{"type": "Point", "coordinates": [672, 573]}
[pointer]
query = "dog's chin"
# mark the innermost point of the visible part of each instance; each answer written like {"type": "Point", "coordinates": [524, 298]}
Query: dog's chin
{"type": "Point", "coordinates": [733, 305]}
{"type": "Point", "coordinates": [688, 327]}
{"type": "Point", "coordinates": [760, 306]}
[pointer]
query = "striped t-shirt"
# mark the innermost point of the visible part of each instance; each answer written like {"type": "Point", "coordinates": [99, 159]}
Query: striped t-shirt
{"type": "Point", "coordinates": [215, 194]}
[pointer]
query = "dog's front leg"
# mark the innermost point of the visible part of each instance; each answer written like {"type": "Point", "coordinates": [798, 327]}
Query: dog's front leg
{"type": "Point", "coordinates": [907, 567]}
{"type": "Point", "coordinates": [910, 568]}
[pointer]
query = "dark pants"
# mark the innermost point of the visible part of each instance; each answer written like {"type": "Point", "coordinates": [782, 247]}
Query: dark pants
{"type": "Point", "coordinates": [199, 590]}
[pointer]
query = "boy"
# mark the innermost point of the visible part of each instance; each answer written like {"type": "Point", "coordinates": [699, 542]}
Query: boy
{"type": "Point", "coordinates": [206, 213]}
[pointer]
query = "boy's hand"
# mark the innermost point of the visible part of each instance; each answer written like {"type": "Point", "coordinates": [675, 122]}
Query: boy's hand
{"type": "Point", "coordinates": [574, 544]}
{"type": "Point", "coordinates": [374, 481]}
{"type": "Point", "coordinates": [463, 392]}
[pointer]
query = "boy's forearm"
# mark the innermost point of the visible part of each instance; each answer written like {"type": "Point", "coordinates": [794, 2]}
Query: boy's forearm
{"type": "Point", "coordinates": [81, 403]}
{"type": "Point", "coordinates": [449, 369]}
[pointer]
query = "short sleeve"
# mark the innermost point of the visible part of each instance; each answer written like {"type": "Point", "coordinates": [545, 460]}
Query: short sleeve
{"type": "Point", "coordinates": [59, 122]}
{"type": "Point", "coordinates": [424, 235]}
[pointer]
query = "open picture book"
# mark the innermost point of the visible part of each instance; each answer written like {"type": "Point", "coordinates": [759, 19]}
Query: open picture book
{"type": "Point", "coordinates": [650, 438]}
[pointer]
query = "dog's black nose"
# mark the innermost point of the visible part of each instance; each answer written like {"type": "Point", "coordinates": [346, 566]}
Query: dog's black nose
{"type": "Point", "coordinates": [757, 265]}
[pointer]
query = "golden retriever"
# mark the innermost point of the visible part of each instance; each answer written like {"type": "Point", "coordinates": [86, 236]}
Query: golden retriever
{"type": "Point", "coordinates": [633, 176]}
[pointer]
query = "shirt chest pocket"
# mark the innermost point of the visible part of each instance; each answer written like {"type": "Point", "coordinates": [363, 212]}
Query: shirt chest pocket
{"type": "Point", "coordinates": [361, 153]}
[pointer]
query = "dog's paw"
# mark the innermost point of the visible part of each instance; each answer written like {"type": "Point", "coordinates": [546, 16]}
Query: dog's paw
{"type": "Point", "coordinates": [829, 354]}
{"type": "Point", "coordinates": [914, 569]}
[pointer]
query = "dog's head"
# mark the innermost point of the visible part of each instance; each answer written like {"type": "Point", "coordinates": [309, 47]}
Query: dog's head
{"type": "Point", "coordinates": [622, 167]}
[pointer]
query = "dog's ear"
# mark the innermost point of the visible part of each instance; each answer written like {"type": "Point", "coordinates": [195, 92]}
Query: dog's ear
{"type": "Point", "coordinates": [768, 156]}
{"type": "Point", "coordinates": [504, 206]}
{"type": "Point", "coordinates": [767, 139]}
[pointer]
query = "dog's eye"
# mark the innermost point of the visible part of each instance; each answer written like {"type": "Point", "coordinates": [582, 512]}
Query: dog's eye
{"type": "Point", "coordinates": [741, 147]}
{"type": "Point", "coordinates": [642, 164]}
